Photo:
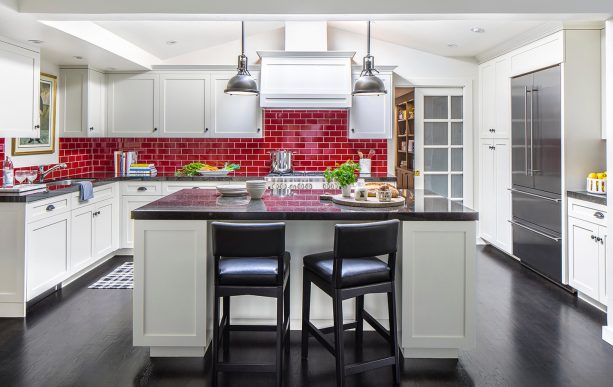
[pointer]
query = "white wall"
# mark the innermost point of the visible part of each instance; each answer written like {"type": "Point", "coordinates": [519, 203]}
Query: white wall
{"type": "Point", "coordinates": [34, 160]}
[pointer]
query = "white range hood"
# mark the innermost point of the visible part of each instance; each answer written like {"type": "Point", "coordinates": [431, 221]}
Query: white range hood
{"type": "Point", "coordinates": [305, 75]}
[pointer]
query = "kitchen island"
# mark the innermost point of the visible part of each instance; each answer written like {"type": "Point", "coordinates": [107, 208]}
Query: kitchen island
{"type": "Point", "coordinates": [173, 268]}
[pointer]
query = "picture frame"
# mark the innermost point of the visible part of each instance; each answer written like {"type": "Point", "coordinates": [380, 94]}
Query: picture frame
{"type": "Point", "coordinates": [45, 144]}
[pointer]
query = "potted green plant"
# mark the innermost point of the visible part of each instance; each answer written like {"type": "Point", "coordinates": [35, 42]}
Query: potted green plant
{"type": "Point", "coordinates": [344, 175]}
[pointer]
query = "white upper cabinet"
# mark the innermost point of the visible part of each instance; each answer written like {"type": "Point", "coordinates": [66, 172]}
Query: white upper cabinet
{"type": "Point", "coordinates": [83, 103]}
{"type": "Point", "coordinates": [133, 105]}
{"type": "Point", "coordinates": [371, 116]}
{"type": "Point", "coordinates": [19, 99]}
{"type": "Point", "coordinates": [184, 104]}
{"type": "Point", "coordinates": [495, 97]}
{"type": "Point", "coordinates": [233, 115]}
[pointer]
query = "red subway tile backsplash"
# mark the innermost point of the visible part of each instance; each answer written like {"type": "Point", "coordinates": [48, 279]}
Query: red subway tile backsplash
{"type": "Point", "coordinates": [319, 138]}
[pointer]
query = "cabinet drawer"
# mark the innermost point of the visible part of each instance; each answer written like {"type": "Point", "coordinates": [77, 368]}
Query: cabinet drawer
{"type": "Point", "coordinates": [588, 211]}
{"type": "Point", "coordinates": [102, 192]}
{"type": "Point", "coordinates": [145, 188]}
{"type": "Point", "coordinates": [48, 207]}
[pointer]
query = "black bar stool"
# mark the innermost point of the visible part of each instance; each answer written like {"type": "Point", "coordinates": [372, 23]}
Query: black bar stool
{"type": "Point", "coordinates": [250, 259]}
{"type": "Point", "coordinates": [353, 270]}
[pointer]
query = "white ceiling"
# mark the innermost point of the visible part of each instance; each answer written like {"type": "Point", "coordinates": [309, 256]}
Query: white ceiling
{"type": "Point", "coordinates": [434, 36]}
{"type": "Point", "coordinates": [190, 36]}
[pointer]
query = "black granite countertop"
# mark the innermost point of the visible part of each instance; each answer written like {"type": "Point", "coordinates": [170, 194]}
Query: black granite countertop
{"type": "Point", "coordinates": [588, 197]}
{"type": "Point", "coordinates": [299, 205]}
{"type": "Point", "coordinates": [103, 178]}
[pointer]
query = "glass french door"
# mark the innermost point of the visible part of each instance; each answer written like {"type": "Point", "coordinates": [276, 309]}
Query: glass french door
{"type": "Point", "coordinates": [440, 142]}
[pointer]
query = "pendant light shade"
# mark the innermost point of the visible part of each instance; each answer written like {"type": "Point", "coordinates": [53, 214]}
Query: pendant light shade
{"type": "Point", "coordinates": [242, 83]}
{"type": "Point", "coordinates": [368, 83]}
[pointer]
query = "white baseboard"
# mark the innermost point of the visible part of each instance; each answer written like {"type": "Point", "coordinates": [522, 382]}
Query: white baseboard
{"type": "Point", "coordinates": [176, 351]}
{"type": "Point", "coordinates": [430, 353]}
{"type": "Point", "coordinates": [607, 334]}
{"type": "Point", "coordinates": [12, 309]}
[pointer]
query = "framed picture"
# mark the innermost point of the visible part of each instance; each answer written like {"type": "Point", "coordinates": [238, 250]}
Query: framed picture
{"type": "Point", "coordinates": [45, 144]}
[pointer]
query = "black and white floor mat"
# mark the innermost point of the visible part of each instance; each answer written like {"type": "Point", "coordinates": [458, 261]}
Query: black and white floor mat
{"type": "Point", "coordinates": [120, 278]}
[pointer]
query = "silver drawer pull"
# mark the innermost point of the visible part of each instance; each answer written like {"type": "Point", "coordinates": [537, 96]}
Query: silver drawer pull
{"type": "Point", "coordinates": [535, 195]}
{"type": "Point", "coordinates": [141, 189]}
{"type": "Point", "coordinates": [598, 215]}
{"type": "Point", "coordinates": [50, 207]}
{"type": "Point", "coordinates": [535, 231]}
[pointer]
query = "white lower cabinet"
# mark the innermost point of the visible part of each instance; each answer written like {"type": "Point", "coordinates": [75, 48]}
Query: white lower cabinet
{"type": "Point", "coordinates": [48, 252]}
{"type": "Point", "coordinates": [495, 197]}
{"type": "Point", "coordinates": [105, 229]}
{"type": "Point", "coordinates": [587, 244]}
{"type": "Point", "coordinates": [128, 204]}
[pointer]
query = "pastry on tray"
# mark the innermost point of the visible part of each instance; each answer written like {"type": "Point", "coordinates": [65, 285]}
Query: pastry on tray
{"type": "Point", "coordinates": [374, 187]}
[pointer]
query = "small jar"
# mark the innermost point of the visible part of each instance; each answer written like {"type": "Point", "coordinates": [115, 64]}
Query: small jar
{"type": "Point", "coordinates": [384, 195]}
{"type": "Point", "coordinates": [361, 192]}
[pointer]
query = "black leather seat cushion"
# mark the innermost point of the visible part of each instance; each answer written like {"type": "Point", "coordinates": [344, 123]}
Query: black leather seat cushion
{"type": "Point", "coordinates": [355, 271]}
{"type": "Point", "coordinates": [251, 271]}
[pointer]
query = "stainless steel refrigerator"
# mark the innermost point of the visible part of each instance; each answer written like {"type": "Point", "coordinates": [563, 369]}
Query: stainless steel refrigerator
{"type": "Point", "coordinates": [536, 171]}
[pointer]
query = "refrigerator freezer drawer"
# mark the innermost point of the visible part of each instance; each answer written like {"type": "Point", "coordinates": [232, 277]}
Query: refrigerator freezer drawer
{"type": "Point", "coordinates": [539, 251]}
{"type": "Point", "coordinates": [538, 210]}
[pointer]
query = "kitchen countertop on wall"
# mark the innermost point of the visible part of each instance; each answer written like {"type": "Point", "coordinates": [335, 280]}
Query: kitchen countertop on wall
{"type": "Point", "coordinates": [588, 197]}
{"type": "Point", "coordinates": [102, 179]}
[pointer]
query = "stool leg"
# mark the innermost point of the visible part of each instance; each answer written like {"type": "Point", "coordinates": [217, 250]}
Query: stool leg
{"type": "Point", "coordinates": [338, 340]}
{"type": "Point", "coordinates": [279, 352]}
{"type": "Point", "coordinates": [391, 304]}
{"type": "Point", "coordinates": [359, 318]}
{"type": "Point", "coordinates": [306, 309]}
{"type": "Point", "coordinates": [215, 343]}
{"type": "Point", "coordinates": [226, 331]}
{"type": "Point", "coordinates": [286, 310]}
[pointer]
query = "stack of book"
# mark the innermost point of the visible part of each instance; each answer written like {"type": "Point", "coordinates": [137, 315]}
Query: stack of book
{"type": "Point", "coordinates": [123, 160]}
{"type": "Point", "coordinates": [142, 170]}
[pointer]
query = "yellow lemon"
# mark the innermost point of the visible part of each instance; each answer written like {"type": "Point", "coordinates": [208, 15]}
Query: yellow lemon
{"type": "Point", "coordinates": [592, 176]}
{"type": "Point", "coordinates": [600, 175]}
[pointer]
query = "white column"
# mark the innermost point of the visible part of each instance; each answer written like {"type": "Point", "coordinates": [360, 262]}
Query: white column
{"type": "Point", "coordinates": [607, 331]}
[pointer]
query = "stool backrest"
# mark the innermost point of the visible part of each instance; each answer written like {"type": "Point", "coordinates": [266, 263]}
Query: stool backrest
{"type": "Point", "coordinates": [248, 239]}
{"type": "Point", "coordinates": [361, 240]}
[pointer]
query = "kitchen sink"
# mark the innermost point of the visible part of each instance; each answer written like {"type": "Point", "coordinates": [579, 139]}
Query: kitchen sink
{"type": "Point", "coordinates": [66, 182]}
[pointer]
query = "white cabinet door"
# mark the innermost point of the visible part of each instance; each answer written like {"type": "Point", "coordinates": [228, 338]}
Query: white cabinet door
{"type": "Point", "coordinates": [132, 101]}
{"type": "Point", "coordinates": [502, 197]}
{"type": "Point", "coordinates": [129, 203]}
{"type": "Point", "coordinates": [371, 116]}
{"type": "Point", "coordinates": [73, 109]}
{"type": "Point", "coordinates": [583, 256]}
{"type": "Point", "coordinates": [19, 99]}
{"type": "Point", "coordinates": [487, 98]}
{"type": "Point", "coordinates": [47, 254]}
{"type": "Point", "coordinates": [487, 210]}
{"type": "Point", "coordinates": [96, 104]}
{"type": "Point", "coordinates": [81, 244]}
{"type": "Point", "coordinates": [502, 117]}
{"type": "Point", "coordinates": [233, 115]}
{"type": "Point", "coordinates": [184, 104]}
{"type": "Point", "coordinates": [602, 264]}
{"type": "Point", "coordinates": [104, 229]}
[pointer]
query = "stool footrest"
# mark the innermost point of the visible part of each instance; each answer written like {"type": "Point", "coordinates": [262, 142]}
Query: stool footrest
{"type": "Point", "coordinates": [357, 368]}
{"type": "Point", "coordinates": [320, 337]}
{"type": "Point", "coordinates": [347, 326]}
{"type": "Point", "coordinates": [377, 326]}
{"type": "Point", "coordinates": [240, 367]}
{"type": "Point", "coordinates": [252, 328]}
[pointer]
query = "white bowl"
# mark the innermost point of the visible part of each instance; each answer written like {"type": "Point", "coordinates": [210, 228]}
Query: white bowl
{"type": "Point", "coordinates": [256, 193]}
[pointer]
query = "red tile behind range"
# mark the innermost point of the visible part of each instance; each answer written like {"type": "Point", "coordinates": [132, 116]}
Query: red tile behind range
{"type": "Point", "coordinates": [318, 138]}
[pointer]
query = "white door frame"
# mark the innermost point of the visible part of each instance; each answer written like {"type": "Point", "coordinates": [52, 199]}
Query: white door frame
{"type": "Point", "coordinates": [470, 169]}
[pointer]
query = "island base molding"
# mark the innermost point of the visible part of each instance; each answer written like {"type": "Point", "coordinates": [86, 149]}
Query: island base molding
{"type": "Point", "coordinates": [607, 334]}
{"type": "Point", "coordinates": [173, 286]}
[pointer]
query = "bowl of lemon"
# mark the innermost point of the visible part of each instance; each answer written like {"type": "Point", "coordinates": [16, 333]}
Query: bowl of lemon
{"type": "Point", "coordinates": [597, 182]}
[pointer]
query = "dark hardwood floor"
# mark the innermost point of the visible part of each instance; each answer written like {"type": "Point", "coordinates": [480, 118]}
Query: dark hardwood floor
{"type": "Point", "coordinates": [530, 333]}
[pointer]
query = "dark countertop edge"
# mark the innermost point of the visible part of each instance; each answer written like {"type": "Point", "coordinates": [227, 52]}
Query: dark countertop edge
{"type": "Point", "coordinates": [33, 197]}
{"type": "Point", "coordinates": [358, 216]}
{"type": "Point", "coordinates": [588, 197]}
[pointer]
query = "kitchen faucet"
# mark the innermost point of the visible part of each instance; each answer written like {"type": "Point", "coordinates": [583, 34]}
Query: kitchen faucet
{"type": "Point", "coordinates": [43, 173]}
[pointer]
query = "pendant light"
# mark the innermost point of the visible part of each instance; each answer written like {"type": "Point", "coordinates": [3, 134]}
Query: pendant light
{"type": "Point", "coordinates": [368, 83]}
{"type": "Point", "coordinates": [242, 83]}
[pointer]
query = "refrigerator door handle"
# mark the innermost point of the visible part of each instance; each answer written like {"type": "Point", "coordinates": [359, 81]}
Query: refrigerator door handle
{"type": "Point", "coordinates": [535, 195]}
{"type": "Point", "coordinates": [526, 127]}
{"type": "Point", "coordinates": [532, 131]}
{"type": "Point", "coordinates": [535, 231]}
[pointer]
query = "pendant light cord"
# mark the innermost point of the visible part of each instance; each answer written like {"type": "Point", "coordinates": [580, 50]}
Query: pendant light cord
{"type": "Point", "coordinates": [368, 41]}
{"type": "Point", "coordinates": [243, 36]}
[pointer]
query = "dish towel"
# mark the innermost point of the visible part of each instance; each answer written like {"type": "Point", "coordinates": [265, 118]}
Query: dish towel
{"type": "Point", "coordinates": [86, 190]}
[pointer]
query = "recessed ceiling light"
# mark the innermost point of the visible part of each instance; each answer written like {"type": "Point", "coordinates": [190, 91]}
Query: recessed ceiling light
{"type": "Point", "coordinates": [78, 57]}
{"type": "Point", "coordinates": [171, 42]}
{"type": "Point", "coordinates": [452, 45]}
{"type": "Point", "coordinates": [35, 41]}
{"type": "Point", "coordinates": [477, 30]}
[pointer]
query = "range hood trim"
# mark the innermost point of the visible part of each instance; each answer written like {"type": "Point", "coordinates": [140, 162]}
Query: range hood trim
{"type": "Point", "coordinates": [306, 54]}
